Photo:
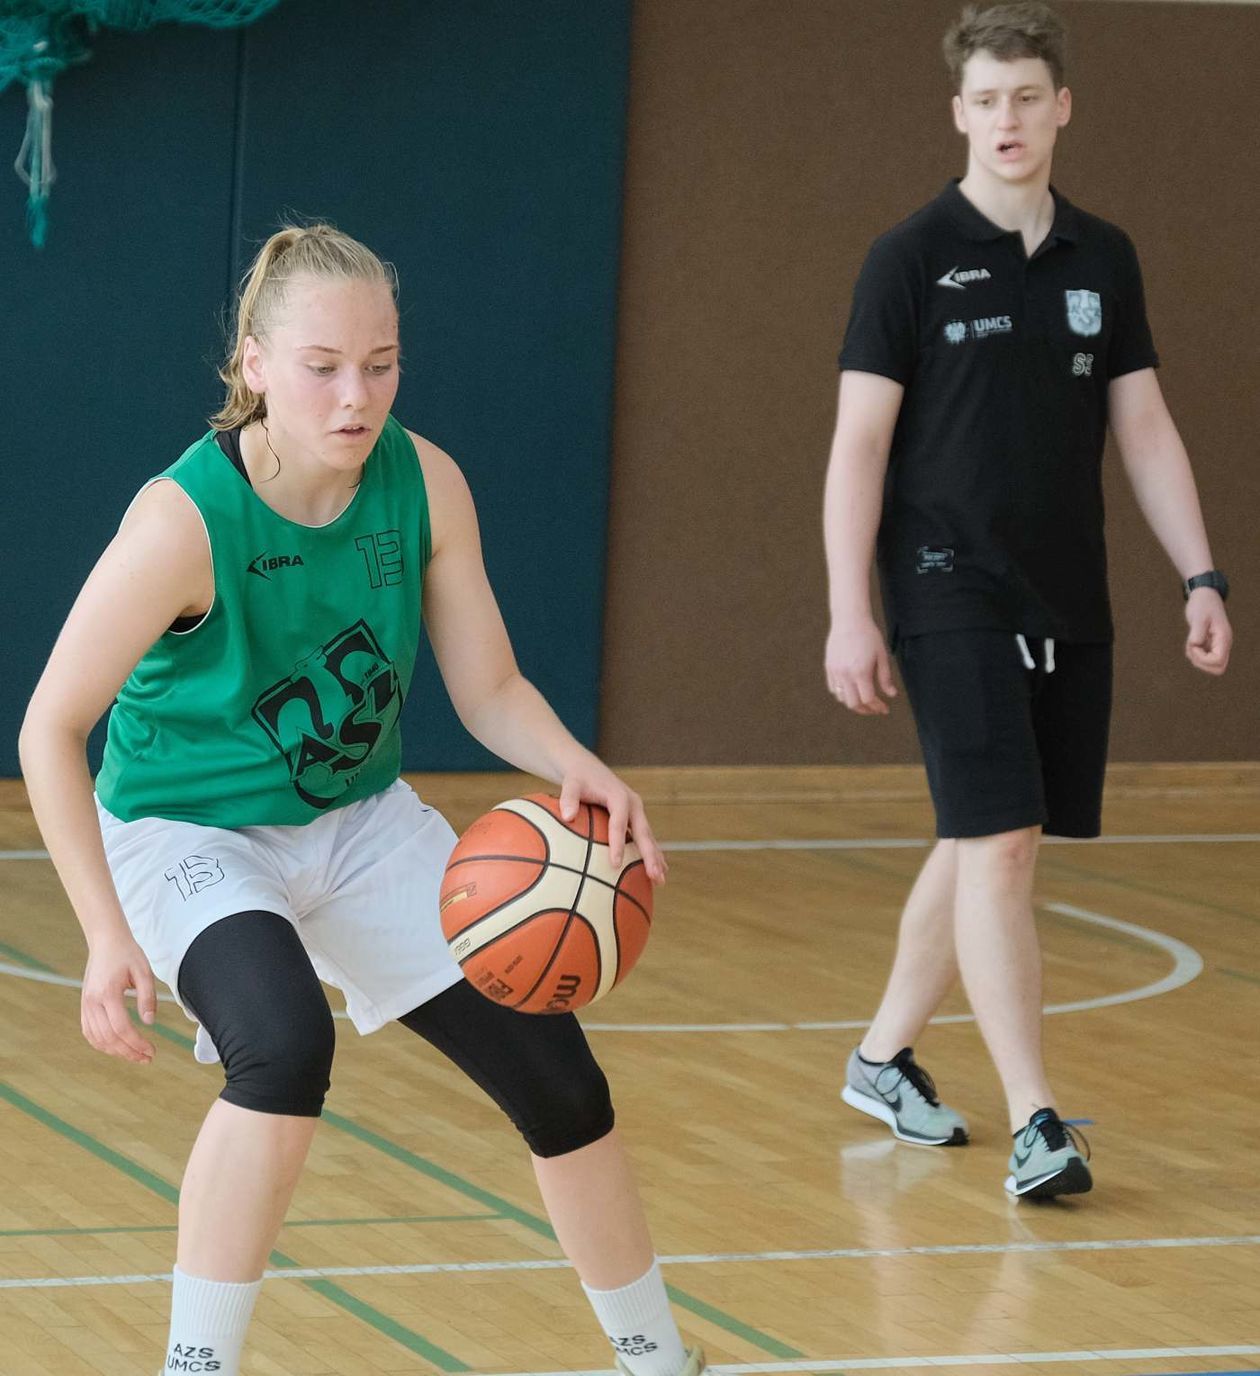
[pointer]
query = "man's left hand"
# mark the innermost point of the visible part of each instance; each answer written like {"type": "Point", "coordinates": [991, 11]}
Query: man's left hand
{"type": "Point", "coordinates": [1208, 643]}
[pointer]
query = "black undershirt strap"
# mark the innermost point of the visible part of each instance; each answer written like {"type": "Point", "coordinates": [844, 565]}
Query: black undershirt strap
{"type": "Point", "coordinates": [229, 441]}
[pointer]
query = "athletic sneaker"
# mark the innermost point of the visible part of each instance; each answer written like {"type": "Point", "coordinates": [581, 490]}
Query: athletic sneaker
{"type": "Point", "coordinates": [695, 1366]}
{"type": "Point", "coordinates": [1047, 1160]}
{"type": "Point", "coordinates": [901, 1093]}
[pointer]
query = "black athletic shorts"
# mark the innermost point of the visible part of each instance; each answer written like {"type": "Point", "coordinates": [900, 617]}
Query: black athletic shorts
{"type": "Point", "coordinates": [1007, 746]}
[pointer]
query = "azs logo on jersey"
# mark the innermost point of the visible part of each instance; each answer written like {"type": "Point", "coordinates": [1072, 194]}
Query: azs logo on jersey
{"type": "Point", "coordinates": [327, 716]}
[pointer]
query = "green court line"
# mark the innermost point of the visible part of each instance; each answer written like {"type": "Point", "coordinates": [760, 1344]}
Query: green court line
{"type": "Point", "coordinates": [1238, 974]}
{"type": "Point", "coordinates": [504, 1208]}
{"type": "Point", "coordinates": [390, 1328]}
{"type": "Point", "coordinates": [138, 1173]}
{"type": "Point", "coordinates": [292, 1223]}
{"type": "Point", "coordinates": [718, 1317]}
{"type": "Point", "coordinates": [23, 959]}
{"type": "Point", "coordinates": [440, 1174]}
{"type": "Point", "coordinates": [1157, 891]}
{"type": "Point", "coordinates": [540, 1226]}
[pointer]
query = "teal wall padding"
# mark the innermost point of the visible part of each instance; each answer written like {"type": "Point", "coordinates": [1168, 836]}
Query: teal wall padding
{"type": "Point", "coordinates": [479, 144]}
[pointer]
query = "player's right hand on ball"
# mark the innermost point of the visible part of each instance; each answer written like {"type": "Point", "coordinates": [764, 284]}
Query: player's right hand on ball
{"type": "Point", "coordinates": [858, 667]}
{"type": "Point", "coordinates": [115, 966]}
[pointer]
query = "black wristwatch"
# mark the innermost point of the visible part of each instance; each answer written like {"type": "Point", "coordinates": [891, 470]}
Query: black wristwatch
{"type": "Point", "coordinates": [1213, 578]}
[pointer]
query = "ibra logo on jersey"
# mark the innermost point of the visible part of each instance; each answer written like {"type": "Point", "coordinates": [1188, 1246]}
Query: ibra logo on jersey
{"type": "Point", "coordinates": [266, 564]}
{"type": "Point", "coordinates": [327, 716]}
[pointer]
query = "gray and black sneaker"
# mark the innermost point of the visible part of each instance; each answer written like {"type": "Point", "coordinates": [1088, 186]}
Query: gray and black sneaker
{"type": "Point", "coordinates": [901, 1093]}
{"type": "Point", "coordinates": [1047, 1160]}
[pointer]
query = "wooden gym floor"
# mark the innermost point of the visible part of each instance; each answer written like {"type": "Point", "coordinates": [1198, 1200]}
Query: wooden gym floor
{"type": "Point", "coordinates": [797, 1235]}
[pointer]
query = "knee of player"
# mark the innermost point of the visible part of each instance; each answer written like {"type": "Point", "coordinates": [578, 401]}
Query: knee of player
{"type": "Point", "coordinates": [285, 1064]}
{"type": "Point", "coordinates": [1008, 851]}
{"type": "Point", "coordinates": [576, 1111]}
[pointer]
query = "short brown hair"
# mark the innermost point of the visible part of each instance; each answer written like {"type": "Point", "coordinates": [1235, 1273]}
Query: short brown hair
{"type": "Point", "coordinates": [1024, 29]}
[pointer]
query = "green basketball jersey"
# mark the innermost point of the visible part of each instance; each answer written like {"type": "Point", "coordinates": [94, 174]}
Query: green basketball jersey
{"type": "Point", "coordinates": [284, 700]}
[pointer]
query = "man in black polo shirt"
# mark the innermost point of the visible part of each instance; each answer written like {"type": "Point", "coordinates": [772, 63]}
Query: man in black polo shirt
{"type": "Point", "coordinates": [994, 336]}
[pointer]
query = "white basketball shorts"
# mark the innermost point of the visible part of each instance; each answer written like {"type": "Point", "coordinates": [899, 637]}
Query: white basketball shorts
{"type": "Point", "coordinates": [360, 885]}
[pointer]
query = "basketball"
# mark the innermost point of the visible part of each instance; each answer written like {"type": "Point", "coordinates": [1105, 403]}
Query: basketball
{"type": "Point", "coordinates": [535, 913]}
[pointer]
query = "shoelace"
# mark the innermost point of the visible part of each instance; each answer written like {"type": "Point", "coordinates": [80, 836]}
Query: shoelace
{"type": "Point", "coordinates": [1055, 1132]}
{"type": "Point", "coordinates": [913, 1072]}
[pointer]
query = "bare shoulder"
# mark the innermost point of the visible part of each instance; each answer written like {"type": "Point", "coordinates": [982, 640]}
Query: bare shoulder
{"type": "Point", "coordinates": [164, 532]}
{"type": "Point", "coordinates": [450, 502]}
{"type": "Point", "coordinates": [164, 514]}
{"type": "Point", "coordinates": [440, 471]}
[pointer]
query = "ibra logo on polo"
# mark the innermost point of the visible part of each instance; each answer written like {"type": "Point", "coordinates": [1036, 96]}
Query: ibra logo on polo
{"type": "Point", "coordinates": [959, 277]}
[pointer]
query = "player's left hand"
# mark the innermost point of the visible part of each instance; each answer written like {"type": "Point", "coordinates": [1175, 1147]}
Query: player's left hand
{"type": "Point", "coordinates": [594, 782]}
{"type": "Point", "coordinates": [1210, 637]}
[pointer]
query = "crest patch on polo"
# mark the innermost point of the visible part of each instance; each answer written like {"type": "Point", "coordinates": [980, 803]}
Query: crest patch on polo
{"type": "Point", "coordinates": [1084, 312]}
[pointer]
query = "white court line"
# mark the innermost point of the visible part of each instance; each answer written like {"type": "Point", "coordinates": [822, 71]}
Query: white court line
{"type": "Point", "coordinates": [1100, 1354]}
{"type": "Point", "coordinates": [922, 843]}
{"type": "Point", "coordinates": [890, 843]}
{"type": "Point", "coordinates": [686, 1259]}
{"type": "Point", "coordinates": [1187, 965]}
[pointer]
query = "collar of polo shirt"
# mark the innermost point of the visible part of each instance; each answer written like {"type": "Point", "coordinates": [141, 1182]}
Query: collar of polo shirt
{"type": "Point", "coordinates": [977, 226]}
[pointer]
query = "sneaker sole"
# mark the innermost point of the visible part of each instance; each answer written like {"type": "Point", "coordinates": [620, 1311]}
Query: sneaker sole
{"type": "Point", "coordinates": [1074, 1178]}
{"type": "Point", "coordinates": [876, 1108]}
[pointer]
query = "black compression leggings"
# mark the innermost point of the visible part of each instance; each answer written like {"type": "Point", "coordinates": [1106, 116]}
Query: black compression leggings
{"type": "Point", "coordinates": [250, 983]}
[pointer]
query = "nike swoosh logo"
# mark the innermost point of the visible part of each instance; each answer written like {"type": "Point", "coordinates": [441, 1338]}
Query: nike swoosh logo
{"type": "Point", "coordinates": [1022, 1160]}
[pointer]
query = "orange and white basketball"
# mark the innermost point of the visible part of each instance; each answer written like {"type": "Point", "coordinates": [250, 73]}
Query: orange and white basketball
{"type": "Point", "coordinates": [535, 913]}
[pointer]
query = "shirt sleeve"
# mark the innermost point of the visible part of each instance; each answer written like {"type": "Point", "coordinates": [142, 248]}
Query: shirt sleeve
{"type": "Point", "coordinates": [1132, 347]}
{"type": "Point", "coordinates": [883, 332]}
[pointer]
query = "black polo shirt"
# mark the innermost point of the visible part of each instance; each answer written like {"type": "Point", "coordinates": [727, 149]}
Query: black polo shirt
{"type": "Point", "coordinates": [993, 505]}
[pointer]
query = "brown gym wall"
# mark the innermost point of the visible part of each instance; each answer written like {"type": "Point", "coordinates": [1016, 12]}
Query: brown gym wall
{"type": "Point", "coordinates": [770, 141]}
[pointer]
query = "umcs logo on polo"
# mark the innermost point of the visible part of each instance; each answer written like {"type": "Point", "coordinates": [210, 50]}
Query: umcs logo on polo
{"type": "Point", "coordinates": [956, 331]}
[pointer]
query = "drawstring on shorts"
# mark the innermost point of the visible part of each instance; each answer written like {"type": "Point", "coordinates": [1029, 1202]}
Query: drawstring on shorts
{"type": "Point", "coordinates": [1029, 661]}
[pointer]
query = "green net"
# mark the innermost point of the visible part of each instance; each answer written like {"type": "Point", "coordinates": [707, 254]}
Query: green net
{"type": "Point", "coordinates": [39, 39]}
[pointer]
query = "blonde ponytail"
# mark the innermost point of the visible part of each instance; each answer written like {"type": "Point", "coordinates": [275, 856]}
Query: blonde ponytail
{"type": "Point", "coordinates": [319, 251]}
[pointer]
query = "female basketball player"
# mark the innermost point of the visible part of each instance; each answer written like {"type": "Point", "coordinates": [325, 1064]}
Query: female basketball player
{"type": "Point", "coordinates": [257, 617]}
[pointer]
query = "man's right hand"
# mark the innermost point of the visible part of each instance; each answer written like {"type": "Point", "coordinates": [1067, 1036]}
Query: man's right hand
{"type": "Point", "coordinates": [859, 668]}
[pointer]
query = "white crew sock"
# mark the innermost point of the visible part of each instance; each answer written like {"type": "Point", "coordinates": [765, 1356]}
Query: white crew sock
{"type": "Point", "coordinates": [640, 1326]}
{"type": "Point", "coordinates": [208, 1323]}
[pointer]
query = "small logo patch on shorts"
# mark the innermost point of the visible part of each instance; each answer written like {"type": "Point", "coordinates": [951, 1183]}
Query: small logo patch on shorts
{"type": "Point", "coordinates": [934, 559]}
